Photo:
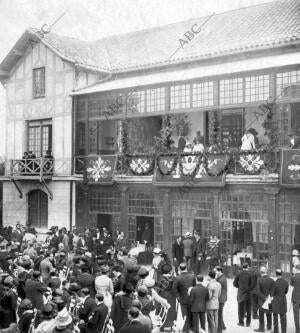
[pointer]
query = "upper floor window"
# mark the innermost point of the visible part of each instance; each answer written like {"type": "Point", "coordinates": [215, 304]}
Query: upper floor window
{"type": "Point", "coordinates": [40, 137]}
{"type": "Point", "coordinates": [257, 88]}
{"type": "Point", "coordinates": [155, 99]}
{"type": "Point", "coordinates": [231, 91]}
{"type": "Point", "coordinates": [288, 84]}
{"type": "Point", "coordinates": [39, 82]}
{"type": "Point", "coordinates": [180, 96]}
{"type": "Point", "coordinates": [203, 94]}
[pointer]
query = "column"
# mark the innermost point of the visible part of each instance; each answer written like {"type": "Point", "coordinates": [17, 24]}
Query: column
{"type": "Point", "coordinates": [124, 210]}
{"type": "Point", "coordinates": [215, 212]}
{"type": "Point", "coordinates": [167, 220]}
{"type": "Point", "coordinates": [272, 202]}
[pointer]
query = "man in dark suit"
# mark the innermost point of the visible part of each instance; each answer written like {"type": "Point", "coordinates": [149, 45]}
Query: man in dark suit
{"type": "Point", "coordinates": [242, 281]}
{"type": "Point", "coordinates": [134, 325]}
{"type": "Point", "coordinates": [181, 286]}
{"type": "Point", "coordinates": [264, 287]}
{"type": "Point", "coordinates": [198, 297]}
{"type": "Point", "coordinates": [96, 322]}
{"type": "Point", "coordinates": [88, 306]}
{"type": "Point", "coordinates": [177, 252]}
{"type": "Point", "coordinates": [279, 305]}
{"type": "Point", "coordinates": [221, 278]}
{"type": "Point", "coordinates": [86, 280]}
{"type": "Point", "coordinates": [199, 252]}
{"type": "Point", "coordinates": [295, 282]}
{"type": "Point", "coordinates": [255, 275]}
{"type": "Point", "coordinates": [34, 290]}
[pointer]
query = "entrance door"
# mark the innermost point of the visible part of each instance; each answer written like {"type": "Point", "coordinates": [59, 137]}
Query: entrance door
{"type": "Point", "coordinates": [145, 229]}
{"type": "Point", "coordinates": [104, 221]}
{"type": "Point", "coordinates": [203, 227]}
{"type": "Point", "coordinates": [38, 209]}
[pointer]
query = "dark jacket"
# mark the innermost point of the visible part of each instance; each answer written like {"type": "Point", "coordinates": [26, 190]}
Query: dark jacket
{"type": "Point", "coordinates": [34, 290]}
{"type": "Point", "coordinates": [134, 326]}
{"type": "Point", "coordinates": [177, 251]}
{"type": "Point", "coordinates": [223, 281]}
{"type": "Point", "coordinates": [295, 282]}
{"type": "Point", "coordinates": [96, 323]}
{"type": "Point", "coordinates": [242, 281]}
{"type": "Point", "coordinates": [199, 247]}
{"type": "Point", "coordinates": [255, 275]}
{"type": "Point", "coordinates": [181, 285]}
{"type": "Point", "coordinates": [87, 280]}
{"type": "Point", "coordinates": [264, 287]}
{"type": "Point", "coordinates": [87, 309]}
{"type": "Point", "coordinates": [119, 310]}
{"type": "Point", "coordinates": [279, 290]}
{"type": "Point", "coordinates": [25, 321]}
{"type": "Point", "coordinates": [198, 298]}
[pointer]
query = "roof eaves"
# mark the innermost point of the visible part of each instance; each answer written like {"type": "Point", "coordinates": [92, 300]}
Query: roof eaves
{"type": "Point", "coordinates": [251, 48]}
{"type": "Point", "coordinates": [63, 56]}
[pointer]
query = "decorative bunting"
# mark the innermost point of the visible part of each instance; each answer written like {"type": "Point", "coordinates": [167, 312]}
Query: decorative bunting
{"type": "Point", "coordinates": [141, 166]}
{"type": "Point", "coordinates": [100, 169]}
{"type": "Point", "coordinates": [290, 168]}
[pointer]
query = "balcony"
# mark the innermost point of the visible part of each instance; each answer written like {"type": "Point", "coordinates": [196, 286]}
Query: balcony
{"type": "Point", "coordinates": [209, 169]}
{"type": "Point", "coordinates": [30, 169]}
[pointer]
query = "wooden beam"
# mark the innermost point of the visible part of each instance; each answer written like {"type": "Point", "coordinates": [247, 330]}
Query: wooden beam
{"type": "Point", "coordinates": [4, 73]}
{"type": "Point", "coordinates": [17, 53]}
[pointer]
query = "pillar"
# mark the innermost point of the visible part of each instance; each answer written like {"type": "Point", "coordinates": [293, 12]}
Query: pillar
{"type": "Point", "coordinates": [124, 210]}
{"type": "Point", "coordinates": [167, 220]}
{"type": "Point", "coordinates": [272, 202]}
{"type": "Point", "coordinates": [215, 212]}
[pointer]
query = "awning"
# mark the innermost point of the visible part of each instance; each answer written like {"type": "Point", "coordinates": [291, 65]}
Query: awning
{"type": "Point", "coordinates": [201, 71]}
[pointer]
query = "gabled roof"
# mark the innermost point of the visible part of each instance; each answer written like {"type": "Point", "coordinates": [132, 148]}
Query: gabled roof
{"type": "Point", "coordinates": [258, 27]}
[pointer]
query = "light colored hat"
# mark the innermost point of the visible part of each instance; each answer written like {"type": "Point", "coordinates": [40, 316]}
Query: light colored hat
{"type": "Point", "coordinates": [188, 234]}
{"type": "Point", "coordinates": [88, 254]}
{"type": "Point", "coordinates": [63, 318]}
{"type": "Point", "coordinates": [149, 282]}
{"type": "Point", "coordinates": [263, 269]}
{"type": "Point", "coordinates": [295, 252]}
{"type": "Point", "coordinates": [156, 250]}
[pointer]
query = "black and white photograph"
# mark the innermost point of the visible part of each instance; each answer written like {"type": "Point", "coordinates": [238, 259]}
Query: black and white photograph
{"type": "Point", "coordinates": [149, 166]}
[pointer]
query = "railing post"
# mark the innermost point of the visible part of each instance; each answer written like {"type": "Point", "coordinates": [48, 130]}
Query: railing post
{"type": "Point", "coordinates": [41, 166]}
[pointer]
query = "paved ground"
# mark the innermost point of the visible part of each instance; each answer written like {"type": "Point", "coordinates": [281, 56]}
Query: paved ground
{"type": "Point", "coordinates": [231, 314]}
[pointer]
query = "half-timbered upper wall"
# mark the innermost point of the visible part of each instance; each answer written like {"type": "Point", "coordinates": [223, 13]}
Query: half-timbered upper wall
{"type": "Point", "coordinates": [56, 105]}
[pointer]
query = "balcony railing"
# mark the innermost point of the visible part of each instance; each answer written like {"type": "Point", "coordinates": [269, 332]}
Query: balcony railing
{"type": "Point", "coordinates": [256, 162]}
{"type": "Point", "coordinates": [79, 164]}
{"type": "Point", "coordinates": [32, 167]}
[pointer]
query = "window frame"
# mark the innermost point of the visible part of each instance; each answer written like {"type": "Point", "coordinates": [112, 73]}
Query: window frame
{"type": "Point", "coordinates": [40, 123]}
{"type": "Point", "coordinates": [42, 94]}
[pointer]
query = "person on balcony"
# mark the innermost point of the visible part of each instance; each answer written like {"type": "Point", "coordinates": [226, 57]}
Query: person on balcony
{"type": "Point", "coordinates": [250, 140]}
{"type": "Point", "coordinates": [25, 157]}
{"type": "Point", "coordinates": [198, 143]}
{"type": "Point", "coordinates": [48, 163]}
{"type": "Point", "coordinates": [294, 136]}
{"type": "Point", "coordinates": [33, 166]}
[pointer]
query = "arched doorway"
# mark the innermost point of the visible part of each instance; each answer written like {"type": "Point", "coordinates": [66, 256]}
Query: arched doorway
{"type": "Point", "coordinates": [38, 209]}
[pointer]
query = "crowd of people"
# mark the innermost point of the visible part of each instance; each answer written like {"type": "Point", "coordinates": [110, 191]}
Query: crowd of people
{"type": "Point", "coordinates": [92, 282]}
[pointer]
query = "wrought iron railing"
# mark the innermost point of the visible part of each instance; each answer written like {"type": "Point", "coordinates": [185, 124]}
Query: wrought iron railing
{"type": "Point", "coordinates": [41, 167]}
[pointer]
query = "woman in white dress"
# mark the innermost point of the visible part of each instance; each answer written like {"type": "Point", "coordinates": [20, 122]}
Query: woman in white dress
{"type": "Point", "coordinates": [104, 285]}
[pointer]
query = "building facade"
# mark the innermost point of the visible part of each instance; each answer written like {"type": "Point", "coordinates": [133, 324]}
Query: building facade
{"type": "Point", "coordinates": [129, 120]}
